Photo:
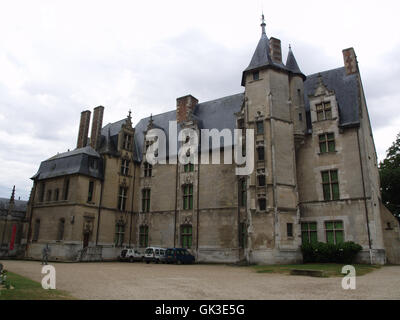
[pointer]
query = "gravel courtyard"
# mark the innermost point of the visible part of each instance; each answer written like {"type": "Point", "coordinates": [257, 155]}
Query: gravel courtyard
{"type": "Point", "coordinates": [116, 280]}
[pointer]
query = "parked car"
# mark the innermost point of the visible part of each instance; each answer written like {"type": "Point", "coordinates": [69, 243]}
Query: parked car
{"type": "Point", "coordinates": [154, 254]}
{"type": "Point", "coordinates": [131, 255]}
{"type": "Point", "coordinates": [179, 256]}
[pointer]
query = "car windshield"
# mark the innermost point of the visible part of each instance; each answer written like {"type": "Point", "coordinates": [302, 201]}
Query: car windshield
{"type": "Point", "coordinates": [123, 253]}
{"type": "Point", "coordinates": [149, 251]}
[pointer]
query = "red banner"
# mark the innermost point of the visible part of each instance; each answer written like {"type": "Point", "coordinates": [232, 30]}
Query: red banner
{"type": "Point", "coordinates": [14, 233]}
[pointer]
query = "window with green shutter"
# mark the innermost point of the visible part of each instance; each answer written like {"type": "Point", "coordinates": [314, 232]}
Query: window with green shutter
{"type": "Point", "coordinates": [309, 232]}
{"type": "Point", "coordinates": [188, 197]}
{"type": "Point", "coordinates": [330, 185]}
{"type": "Point", "coordinates": [334, 231]}
{"type": "Point", "coordinates": [186, 236]}
{"type": "Point", "coordinates": [189, 167]}
{"type": "Point", "coordinates": [146, 200]}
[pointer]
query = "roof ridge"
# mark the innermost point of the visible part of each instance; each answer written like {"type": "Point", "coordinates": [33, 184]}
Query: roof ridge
{"type": "Point", "coordinates": [317, 73]}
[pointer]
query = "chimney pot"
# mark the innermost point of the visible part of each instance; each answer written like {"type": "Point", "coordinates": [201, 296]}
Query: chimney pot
{"type": "Point", "coordinates": [96, 127]}
{"type": "Point", "coordinates": [275, 49]}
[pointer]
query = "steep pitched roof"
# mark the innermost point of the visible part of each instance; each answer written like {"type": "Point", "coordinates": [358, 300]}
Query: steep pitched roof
{"type": "Point", "coordinates": [346, 89]}
{"type": "Point", "coordinates": [291, 64]}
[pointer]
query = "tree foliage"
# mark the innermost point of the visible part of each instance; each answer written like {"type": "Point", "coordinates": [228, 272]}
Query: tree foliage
{"type": "Point", "coordinates": [389, 171]}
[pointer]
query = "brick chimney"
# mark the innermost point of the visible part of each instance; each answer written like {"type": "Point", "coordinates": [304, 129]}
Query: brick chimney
{"type": "Point", "coordinates": [96, 127]}
{"type": "Point", "coordinates": [83, 129]}
{"type": "Point", "coordinates": [350, 61]}
{"type": "Point", "coordinates": [185, 107]}
{"type": "Point", "coordinates": [276, 50]}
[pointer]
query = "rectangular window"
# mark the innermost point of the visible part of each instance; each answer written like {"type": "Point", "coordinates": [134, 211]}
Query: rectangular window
{"type": "Point", "coordinates": [61, 225]}
{"type": "Point", "coordinates": [189, 167]}
{"type": "Point", "coordinates": [125, 167]}
{"type": "Point", "coordinates": [327, 142]}
{"type": "Point", "coordinates": [242, 235]}
{"type": "Point", "coordinates": [146, 200]}
{"type": "Point", "coordinates": [56, 194]}
{"type": "Point", "coordinates": [41, 191]}
{"type": "Point", "coordinates": [260, 127]}
{"type": "Point", "coordinates": [127, 142]}
{"type": "Point", "coordinates": [289, 230]}
{"type": "Point", "coordinates": [90, 191]}
{"type": "Point", "coordinates": [66, 189]}
{"type": "Point", "coordinates": [188, 197]}
{"type": "Point", "coordinates": [330, 185]}
{"type": "Point", "coordinates": [309, 232]}
{"type": "Point", "coordinates": [148, 169]}
{"type": "Point", "coordinates": [334, 232]}
{"type": "Point", "coordinates": [243, 193]}
{"type": "Point", "coordinates": [144, 236]}
{"type": "Point", "coordinates": [122, 196]}
{"type": "Point", "coordinates": [261, 180]}
{"type": "Point", "coordinates": [324, 111]}
{"type": "Point", "coordinates": [256, 75]}
{"type": "Point", "coordinates": [36, 231]}
{"type": "Point", "coordinates": [119, 234]}
{"type": "Point", "coordinates": [300, 117]}
{"type": "Point", "coordinates": [186, 234]}
{"type": "Point", "coordinates": [48, 195]}
{"type": "Point", "coordinates": [260, 151]}
{"type": "Point", "coordinates": [262, 203]}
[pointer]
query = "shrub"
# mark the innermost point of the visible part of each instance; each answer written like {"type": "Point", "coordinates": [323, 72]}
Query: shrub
{"type": "Point", "coordinates": [330, 253]}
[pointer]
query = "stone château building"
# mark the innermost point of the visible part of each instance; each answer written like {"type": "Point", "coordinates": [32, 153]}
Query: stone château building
{"type": "Point", "coordinates": [315, 176]}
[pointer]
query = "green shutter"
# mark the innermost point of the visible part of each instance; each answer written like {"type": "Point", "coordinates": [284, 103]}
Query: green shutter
{"type": "Point", "coordinates": [313, 237]}
{"type": "Point", "coordinates": [304, 226]}
{"type": "Point", "coordinates": [334, 176]}
{"type": "Point", "coordinates": [322, 147]}
{"type": "Point", "coordinates": [329, 225]}
{"type": "Point", "coordinates": [327, 192]}
{"type": "Point", "coordinates": [325, 177]}
{"type": "Point", "coordinates": [330, 237]}
{"type": "Point", "coordinates": [313, 226]}
{"type": "Point", "coordinates": [335, 191]}
{"type": "Point", "coordinates": [339, 237]}
{"type": "Point", "coordinates": [331, 146]}
{"type": "Point", "coordinates": [304, 237]}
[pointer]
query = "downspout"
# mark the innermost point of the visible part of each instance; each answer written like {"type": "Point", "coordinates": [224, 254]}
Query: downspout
{"type": "Point", "coordinates": [198, 208]}
{"type": "Point", "coordinates": [101, 198]}
{"type": "Point", "coordinates": [176, 199]}
{"type": "Point", "coordinates": [133, 197]}
{"type": "Point", "coordinates": [365, 198]}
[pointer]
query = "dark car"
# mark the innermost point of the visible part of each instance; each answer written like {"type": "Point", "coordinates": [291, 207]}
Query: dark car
{"type": "Point", "coordinates": [179, 256]}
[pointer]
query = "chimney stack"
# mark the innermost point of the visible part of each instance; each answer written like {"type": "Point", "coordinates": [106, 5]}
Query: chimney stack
{"type": "Point", "coordinates": [276, 50]}
{"type": "Point", "coordinates": [185, 107]}
{"type": "Point", "coordinates": [350, 61]}
{"type": "Point", "coordinates": [96, 127]}
{"type": "Point", "coordinates": [83, 129]}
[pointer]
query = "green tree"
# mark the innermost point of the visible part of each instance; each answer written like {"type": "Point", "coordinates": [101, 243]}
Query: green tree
{"type": "Point", "coordinates": [389, 171]}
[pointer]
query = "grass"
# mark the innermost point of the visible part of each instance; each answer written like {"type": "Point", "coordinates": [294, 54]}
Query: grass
{"type": "Point", "coordinates": [330, 269]}
{"type": "Point", "coordinates": [26, 289]}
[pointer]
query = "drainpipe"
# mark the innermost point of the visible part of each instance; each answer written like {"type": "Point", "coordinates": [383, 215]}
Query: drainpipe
{"type": "Point", "coordinates": [198, 208]}
{"type": "Point", "coordinates": [133, 197]}
{"type": "Point", "coordinates": [176, 198]}
{"type": "Point", "coordinates": [101, 198]}
{"type": "Point", "coordinates": [30, 218]}
{"type": "Point", "coordinates": [365, 198]}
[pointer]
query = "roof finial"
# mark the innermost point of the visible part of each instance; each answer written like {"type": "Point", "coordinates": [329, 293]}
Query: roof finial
{"type": "Point", "coordinates": [290, 47]}
{"type": "Point", "coordinates": [129, 114]}
{"type": "Point", "coordinates": [263, 24]}
{"type": "Point", "coordinates": [12, 195]}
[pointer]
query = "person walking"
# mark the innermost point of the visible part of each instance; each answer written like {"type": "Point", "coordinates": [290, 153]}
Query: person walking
{"type": "Point", "coordinates": [45, 254]}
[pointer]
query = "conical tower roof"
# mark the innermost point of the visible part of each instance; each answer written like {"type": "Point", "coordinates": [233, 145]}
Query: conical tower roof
{"type": "Point", "coordinates": [291, 64]}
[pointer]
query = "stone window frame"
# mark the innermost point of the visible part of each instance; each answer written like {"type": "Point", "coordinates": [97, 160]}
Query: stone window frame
{"type": "Point", "coordinates": [260, 130]}
{"type": "Point", "coordinates": [335, 231]}
{"type": "Point", "coordinates": [127, 141]}
{"type": "Point", "coordinates": [186, 236]}
{"type": "Point", "coordinates": [125, 163]}
{"type": "Point", "coordinates": [66, 189]}
{"type": "Point", "coordinates": [119, 233]}
{"type": "Point", "coordinates": [42, 189]}
{"type": "Point", "coordinates": [56, 194]}
{"type": "Point", "coordinates": [36, 231]}
{"type": "Point", "coordinates": [259, 200]}
{"type": "Point", "coordinates": [331, 183]}
{"type": "Point", "coordinates": [147, 170]}
{"type": "Point", "coordinates": [122, 197]}
{"type": "Point", "coordinates": [289, 230]}
{"type": "Point", "coordinates": [61, 229]}
{"type": "Point", "coordinates": [309, 231]}
{"type": "Point", "coordinates": [146, 195]}
{"type": "Point", "coordinates": [49, 195]}
{"type": "Point", "coordinates": [324, 108]}
{"type": "Point", "coordinates": [260, 147]}
{"type": "Point", "coordinates": [326, 140]}
{"type": "Point", "coordinates": [256, 75]}
{"type": "Point", "coordinates": [91, 191]}
{"type": "Point", "coordinates": [189, 167]}
{"type": "Point", "coordinates": [143, 236]}
{"type": "Point", "coordinates": [324, 99]}
{"type": "Point", "coordinates": [187, 196]}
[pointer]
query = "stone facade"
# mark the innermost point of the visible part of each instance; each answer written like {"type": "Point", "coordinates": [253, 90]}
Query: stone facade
{"type": "Point", "coordinates": [315, 166]}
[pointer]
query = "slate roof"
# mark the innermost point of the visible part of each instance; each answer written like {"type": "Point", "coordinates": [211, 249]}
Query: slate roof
{"type": "Point", "coordinates": [19, 210]}
{"type": "Point", "coordinates": [291, 64]}
{"type": "Point", "coordinates": [347, 94]}
{"type": "Point", "coordinates": [72, 162]}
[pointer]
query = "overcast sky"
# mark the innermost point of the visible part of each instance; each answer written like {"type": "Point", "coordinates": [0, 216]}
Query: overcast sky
{"type": "Point", "coordinates": [58, 58]}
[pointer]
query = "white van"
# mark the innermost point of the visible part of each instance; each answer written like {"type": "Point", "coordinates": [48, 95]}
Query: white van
{"type": "Point", "coordinates": [154, 254]}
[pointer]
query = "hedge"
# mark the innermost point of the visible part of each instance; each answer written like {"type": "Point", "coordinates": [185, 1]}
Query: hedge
{"type": "Point", "coordinates": [330, 253]}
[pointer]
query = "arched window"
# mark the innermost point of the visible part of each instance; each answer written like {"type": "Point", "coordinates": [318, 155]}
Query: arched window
{"type": "Point", "coordinates": [61, 225]}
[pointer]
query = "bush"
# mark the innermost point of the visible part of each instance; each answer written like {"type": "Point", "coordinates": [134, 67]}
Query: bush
{"type": "Point", "coordinates": [330, 253]}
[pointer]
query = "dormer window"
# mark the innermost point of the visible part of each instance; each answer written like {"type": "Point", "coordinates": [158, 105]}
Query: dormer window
{"type": "Point", "coordinates": [127, 141]}
{"type": "Point", "coordinates": [324, 111]}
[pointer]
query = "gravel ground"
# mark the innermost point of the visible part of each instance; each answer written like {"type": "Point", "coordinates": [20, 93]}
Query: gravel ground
{"type": "Point", "coordinates": [115, 280]}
